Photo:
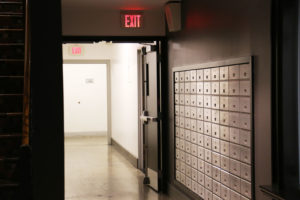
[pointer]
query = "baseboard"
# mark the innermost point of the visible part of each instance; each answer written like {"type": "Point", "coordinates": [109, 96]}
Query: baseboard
{"type": "Point", "coordinates": [131, 158]}
{"type": "Point", "coordinates": [176, 194]}
{"type": "Point", "coordinates": [82, 134]}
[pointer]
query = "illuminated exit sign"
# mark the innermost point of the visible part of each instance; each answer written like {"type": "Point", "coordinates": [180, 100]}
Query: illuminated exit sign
{"type": "Point", "coordinates": [131, 20]}
{"type": "Point", "coordinates": [76, 50]}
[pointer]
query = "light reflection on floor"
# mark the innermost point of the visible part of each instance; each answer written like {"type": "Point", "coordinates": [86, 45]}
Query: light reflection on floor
{"type": "Point", "coordinates": [95, 171]}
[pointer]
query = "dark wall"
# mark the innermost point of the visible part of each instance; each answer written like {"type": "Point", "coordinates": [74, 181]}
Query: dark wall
{"type": "Point", "coordinates": [47, 130]}
{"type": "Point", "coordinates": [221, 30]}
{"type": "Point", "coordinates": [286, 99]}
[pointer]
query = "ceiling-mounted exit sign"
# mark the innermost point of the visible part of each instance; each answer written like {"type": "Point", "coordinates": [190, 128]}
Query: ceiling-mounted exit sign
{"type": "Point", "coordinates": [76, 50]}
{"type": "Point", "coordinates": [132, 20]}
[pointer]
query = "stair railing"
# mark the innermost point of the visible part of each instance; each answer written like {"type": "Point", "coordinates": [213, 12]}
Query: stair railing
{"type": "Point", "coordinates": [26, 101]}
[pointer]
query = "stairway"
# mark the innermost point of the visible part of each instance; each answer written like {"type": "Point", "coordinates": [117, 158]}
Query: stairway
{"type": "Point", "coordinates": [12, 59]}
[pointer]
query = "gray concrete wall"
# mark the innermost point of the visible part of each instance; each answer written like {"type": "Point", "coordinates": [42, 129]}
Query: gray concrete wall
{"type": "Point", "coordinates": [218, 31]}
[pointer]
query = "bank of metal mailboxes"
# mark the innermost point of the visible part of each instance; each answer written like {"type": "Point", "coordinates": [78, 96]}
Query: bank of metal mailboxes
{"type": "Point", "coordinates": [213, 129]}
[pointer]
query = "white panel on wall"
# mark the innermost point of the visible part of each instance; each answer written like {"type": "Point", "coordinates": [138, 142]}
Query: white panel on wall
{"type": "Point", "coordinates": [85, 99]}
{"type": "Point", "coordinates": [219, 148]}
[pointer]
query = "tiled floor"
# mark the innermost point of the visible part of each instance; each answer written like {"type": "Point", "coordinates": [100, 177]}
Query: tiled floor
{"type": "Point", "coordinates": [95, 171]}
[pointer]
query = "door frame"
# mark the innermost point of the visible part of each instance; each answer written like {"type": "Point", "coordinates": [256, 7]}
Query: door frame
{"type": "Point", "coordinates": [143, 56]}
{"type": "Point", "coordinates": [108, 86]}
{"type": "Point", "coordinates": [163, 61]}
{"type": "Point", "coordinates": [141, 162]}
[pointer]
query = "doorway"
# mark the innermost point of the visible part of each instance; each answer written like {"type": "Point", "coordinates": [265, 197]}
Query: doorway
{"type": "Point", "coordinates": [86, 98]}
{"type": "Point", "coordinates": [125, 82]}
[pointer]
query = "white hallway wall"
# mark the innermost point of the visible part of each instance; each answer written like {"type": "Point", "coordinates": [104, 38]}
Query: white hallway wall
{"type": "Point", "coordinates": [125, 97]}
{"type": "Point", "coordinates": [124, 88]}
{"type": "Point", "coordinates": [85, 103]}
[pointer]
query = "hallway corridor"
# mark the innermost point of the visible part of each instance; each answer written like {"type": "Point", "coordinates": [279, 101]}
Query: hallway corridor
{"type": "Point", "coordinates": [96, 171]}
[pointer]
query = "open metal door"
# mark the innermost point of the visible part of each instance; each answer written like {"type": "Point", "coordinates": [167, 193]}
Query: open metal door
{"type": "Point", "coordinates": [151, 116]}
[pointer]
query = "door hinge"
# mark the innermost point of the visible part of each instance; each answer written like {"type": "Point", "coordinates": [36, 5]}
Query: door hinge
{"type": "Point", "coordinates": [159, 58]}
{"type": "Point", "coordinates": [153, 48]}
{"type": "Point", "coordinates": [144, 50]}
{"type": "Point", "coordinates": [160, 116]}
{"type": "Point", "coordinates": [160, 174]}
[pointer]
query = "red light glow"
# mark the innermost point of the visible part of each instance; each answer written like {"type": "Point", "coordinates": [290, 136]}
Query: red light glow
{"type": "Point", "coordinates": [133, 8]}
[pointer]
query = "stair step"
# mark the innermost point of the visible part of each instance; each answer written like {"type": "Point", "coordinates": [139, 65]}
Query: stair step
{"type": "Point", "coordinates": [11, 60]}
{"type": "Point", "coordinates": [11, 1]}
{"type": "Point", "coordinates": [11, 104]}
{"type": "Point", "coordinates": [11, 29]}
{"type": "Point", "coordinates": [11, 52]}
{"type": "Point", "coordinates": [8, 114]}
{"type": "Point", "coordinates": [2, 13]}
{"type": "Point", "coordinates": [10, 136]}
{"type": "Point", "coordinates": [12, 37]}
{"type": "Point", "coordinates": [10, 14]}
{"type": "Point", "coordinates": [2, 95]}
{"type": "Point", "coordinates": [11, 44]}
{"type": "Point", "coordinates": [8, 193]}
{"type": "Point", "coordinates": [11, 68]}
{"type": "Point", "coordinates": [11, 86]}
{"type": "Point", "coordinates": [8, 184]}
{"type": "Point", "coordinates": [9, 147]}
{"type": "Point", "coordinates": [11, 21]}
{"type": "Point", "coordinates": [11, 76]}
{"type": "Point", "coordinates": [9, 159]}
{"type": "Point", "coordinates": [8, 168]}
{"type": "Point", "coordinates": [11, 124]}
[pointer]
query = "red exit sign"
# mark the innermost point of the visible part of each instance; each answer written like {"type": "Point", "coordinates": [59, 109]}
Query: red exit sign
{"type": "Point", "coordinates": [76, 50]}
{"type": "Point", "coordinates": [132, 20]}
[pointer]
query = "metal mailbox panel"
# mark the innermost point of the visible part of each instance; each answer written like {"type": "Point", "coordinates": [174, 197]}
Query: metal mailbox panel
{"type": "Point", "coordinates": [213, 132]}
